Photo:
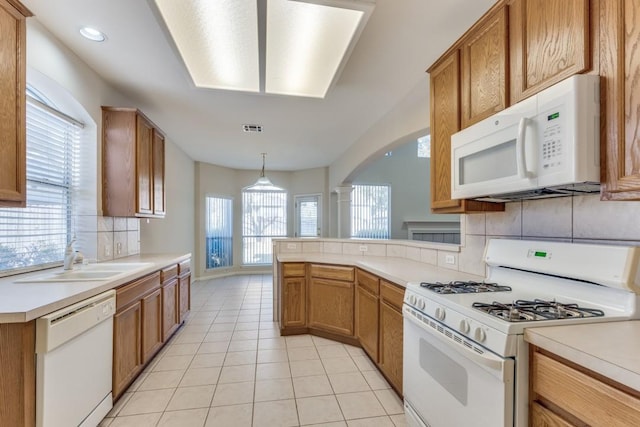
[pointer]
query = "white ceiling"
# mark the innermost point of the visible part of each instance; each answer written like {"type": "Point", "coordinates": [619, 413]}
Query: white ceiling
{"type": "Point", "coordinates": [401, 39]}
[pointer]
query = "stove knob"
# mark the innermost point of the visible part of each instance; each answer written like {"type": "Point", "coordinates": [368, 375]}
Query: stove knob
{"type": "Point", "coordinates": [412, 300]}
{"type": "Point", "coordinates": [421, 304]}
{"type": "Point", "coordinates": [480, 335]}
{"type": "Point", "coordinates": [440, 313]}
{"type": "Point", "coordinates": [464, 326]}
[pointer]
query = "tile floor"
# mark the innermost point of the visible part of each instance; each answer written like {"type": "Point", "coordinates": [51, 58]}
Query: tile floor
{"type": "Point", "coordinates": [228, 366]}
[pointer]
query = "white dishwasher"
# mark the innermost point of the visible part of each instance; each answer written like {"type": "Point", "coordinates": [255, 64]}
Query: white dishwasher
{"type": "Point", "coordinates": [74, 353]}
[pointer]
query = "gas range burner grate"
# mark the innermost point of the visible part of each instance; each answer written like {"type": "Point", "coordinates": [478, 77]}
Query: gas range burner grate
{"type": "Point", "coordinates": [462, 287]}
{"type": "Point", "coordinates": [523, 310]}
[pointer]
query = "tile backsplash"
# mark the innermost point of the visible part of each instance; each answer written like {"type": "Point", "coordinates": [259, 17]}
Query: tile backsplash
{"type": "Point", "coordinates": [107, 238]}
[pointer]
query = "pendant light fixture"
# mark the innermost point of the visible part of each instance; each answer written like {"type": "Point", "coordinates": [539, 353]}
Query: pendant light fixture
{"type": "Point", "coordinates": [263, 183]}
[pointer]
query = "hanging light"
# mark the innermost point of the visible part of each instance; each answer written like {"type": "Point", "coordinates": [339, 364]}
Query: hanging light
{"type": "Point", "coordinates": [263, 183]}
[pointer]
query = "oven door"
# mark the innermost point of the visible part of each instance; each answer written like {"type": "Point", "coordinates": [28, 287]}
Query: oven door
{"type": "Point", "coordinates": [447, 384]}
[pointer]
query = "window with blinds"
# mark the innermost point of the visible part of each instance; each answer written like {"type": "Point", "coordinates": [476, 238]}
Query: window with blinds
{"type": "Point", "coordinates": [264, 216]}
{"type": "Point", "coordinates": [370, 212]}
{"type": "Point", "coordinates": [219, 230]}
{"type": "Point", "coordinates": [38, 234]}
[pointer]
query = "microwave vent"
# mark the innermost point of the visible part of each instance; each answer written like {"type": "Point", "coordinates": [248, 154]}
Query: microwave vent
{"type": "Point", "coordinates": [545, 193]}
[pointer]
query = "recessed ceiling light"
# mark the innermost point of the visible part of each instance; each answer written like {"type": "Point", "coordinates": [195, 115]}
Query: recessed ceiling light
{"type": "Point", "coordinates": [92, 34]}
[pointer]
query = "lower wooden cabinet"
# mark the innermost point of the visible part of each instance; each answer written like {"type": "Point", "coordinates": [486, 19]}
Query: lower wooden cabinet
{"type": "Point", "coordinates": [331, 305]}
{"type": "Point", "coordinates": [565, 394]}
{"type": "Point", "coordinates": [151, 325]}
{"type": "Point", "coordinates": [170, 308]}
{"type": "Point", "coordinates": [294, 310]}
{"type": "Point", "coordinates": [127, 347]}
{"type": "Point", "coordinates": [184, 292]}
{"type": "Point", "coordinates": [367, 312]}
{"type": "Point", "coordinates": [391, 333]}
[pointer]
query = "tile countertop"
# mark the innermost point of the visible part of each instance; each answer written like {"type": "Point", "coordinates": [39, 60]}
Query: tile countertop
{"type": "Point", "coordinates": [22, 302]}
{"type": "Point", "coordinates": [397, 270]}
{"type": "Point", "coordinates": [611, 349]}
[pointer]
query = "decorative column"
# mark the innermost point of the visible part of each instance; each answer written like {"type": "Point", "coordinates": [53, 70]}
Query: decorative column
{"type": "Point", "coordinates": [344, 211]}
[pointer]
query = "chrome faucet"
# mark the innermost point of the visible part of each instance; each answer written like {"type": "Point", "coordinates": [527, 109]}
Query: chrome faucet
{"type": "Point", "coordinates": [69, 256]}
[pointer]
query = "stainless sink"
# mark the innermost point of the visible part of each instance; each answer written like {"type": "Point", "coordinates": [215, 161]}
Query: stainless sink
{"type": "Point", "coordinates": [91, 272]}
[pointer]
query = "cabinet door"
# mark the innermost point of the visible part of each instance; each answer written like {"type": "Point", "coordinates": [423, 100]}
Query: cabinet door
{"type": "Point", "coordinates": [484, 69]}
{"type": "Point", "coordinates": [158, 174]}
{"type": "Point", "coordinates": [144, 141]}
{"type": "Point", "coordinates": [127, 345]}
{"type": "Point", "coordinates": [151, 325]}
{"type": "Point", "coordinates": [620, 97]}
{"type": "Point", "coordinates": [549, 42]}
{"type": "Point", "coordinates": [367, 321]}
{"type": "Point", "coordinates": [184, 290]}
{"type": "Point", "coordinates": [294, 305]}
{"type": "Point", "coordinates": [540, 416]}
{"type": "Point", "coordinates": [170, 309]}
{"type": "Point", "coordinates": [391, 341]}
{"type": "Point", "coordinates": [331, 305]}
{"type": "Point", "coordinates": [13, 170]}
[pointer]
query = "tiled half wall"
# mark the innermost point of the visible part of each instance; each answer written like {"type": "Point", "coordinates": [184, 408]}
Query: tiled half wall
{"type": "Point", "coordinates": [104, 238]}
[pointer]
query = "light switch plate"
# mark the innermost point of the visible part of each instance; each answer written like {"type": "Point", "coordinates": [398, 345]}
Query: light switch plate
{"type": "Point", "coordinates": [450, 259]}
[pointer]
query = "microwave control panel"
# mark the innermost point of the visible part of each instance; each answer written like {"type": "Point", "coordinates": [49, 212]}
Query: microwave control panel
{"type": "Point", "coordinates": [552, 150]}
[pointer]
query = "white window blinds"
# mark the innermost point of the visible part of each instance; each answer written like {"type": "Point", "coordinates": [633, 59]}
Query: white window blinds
{"type": "Point", "coordinates": [370, 212]}
{"type": "Point", "coordinates": [38, 234]}
{"type": "Point", "coordinates": [264, 216]}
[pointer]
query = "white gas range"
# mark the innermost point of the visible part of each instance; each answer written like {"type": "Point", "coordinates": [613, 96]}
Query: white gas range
{"type": "Point", "coordinates": [465, 359]}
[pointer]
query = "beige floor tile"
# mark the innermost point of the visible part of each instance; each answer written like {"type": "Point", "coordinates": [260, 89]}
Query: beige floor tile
{"type": "Point", "coordinates": [222, 327]}
{"type": "Point", "coordinates": [105, 422]}
{"type": "Point", "coordinates": [371, 422]}
{"type": "Point", "coordinates": [189, 338]}
{"type": "Point", "coordinates": [145, 402]}
{"type": "Point", "coordinates": [279, 389]}
{"type": "Point", "coordinates": [213, 347]}
{"type": "Point", "coordinates": [217, 336]}
{"type": "Point", "coordinates": [270, 356]}
{"type": "Point", "coordinates": [339, 365]}
{"type": "Point", "coordinates": [184, 418]}
{"type": "Point", "coordinates": [360, 405]}
{"type": "Point", "coordinates": [233, 394]}
{"type": "Point", "coordinates": [320, 409]}
{"type": "Point", "coordinates": [247, 326]}
{"type": "Point", "coordinates": [160, 380]}
{"type": "Point", "coordinates": [207, 360]}
{"type": "Point", "coordinates": [229, 313]}
{"type": "Point", "coordinates": [272, 371]}
{"type": "Point", "coordinates": [195, 328]}
{"type": "Point", "coordinates": [191, 397]}
{"type": "Point", "coordinates": [399, 420]}
{"type": "Point", "coordinates": [226, 416]}
{"type": "Point", "coordinates": [237, 374]}
{"type": "Point", "coordinates": [240, 358]}
{"type": "Point", "coordinates": [249, 318]}
{"type": "Point", "coordinates": [299, 341]}
{"type": "Point", "coordinates": [117, 407]}
{"type": "Point", "coordinates": [354, 351]}
{"type": "Point", "coordinates": [302, 353]}
{"type": "Point", "coordinates": [335, 424]}
{"type": "Point", "coordinates": [328, 351]}
{"type": "Point", "coordinates": [225, 319]}
{"type": "Point", "coordinates": [376, 380]}
{"type": "Point", "coordinates": [279, 413]}
{"type": "Point", "coordinates": [390, 401]}
{"type": "Point", "coordinates": [245, 335]}
{"type": "Point", "coordinates": [364, 363]}
{"type": "Point", "coordinates": [135, 386]}
{"type": "Point", "coordinates": [182, 349]}
{"type": "Point", "coordinates": [320, 342]}
{"type": "Point", "coordinates": [316, 385]}
{"type": "Point", "coordinates": [272, 343]}
{"type": "Point", "coordinates": [243, 345]}
{"type": "Point", "coordinates": [304, 368]}
{"type": "Point", "coordinates": [200, 376]}
{"type": "Point", "coordinates": [145, 420]}
{"type": "Point", "coordinates": [173, 363]}
{"type": "Point", "coordinates": [247, 312]}
{"type": "Point", "coordinates": [348, 383]}
{"type": "Point", "coordinates": [268, 333]}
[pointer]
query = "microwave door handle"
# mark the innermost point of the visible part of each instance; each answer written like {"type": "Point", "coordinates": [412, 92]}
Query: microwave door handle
{"type": "Point", "coordinates": [523, 172]}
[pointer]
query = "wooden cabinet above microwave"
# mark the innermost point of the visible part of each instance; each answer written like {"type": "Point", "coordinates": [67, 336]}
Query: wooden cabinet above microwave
{"type": "Point", "coordinates": [132, 165]}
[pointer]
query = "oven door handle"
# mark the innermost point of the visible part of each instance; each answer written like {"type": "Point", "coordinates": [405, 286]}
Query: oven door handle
{"type": "Point", "coordinates": [491, 363]}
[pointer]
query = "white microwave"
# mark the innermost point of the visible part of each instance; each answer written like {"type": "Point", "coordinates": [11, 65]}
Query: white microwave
{"type": "Point", "coordinates": [545, 146]}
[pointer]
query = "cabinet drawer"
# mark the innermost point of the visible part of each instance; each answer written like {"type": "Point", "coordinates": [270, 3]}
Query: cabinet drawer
{"type": "Point", "coordinates": [293, 269]}
{"type": "Point", "coordinates": [581, 395]}
{"type": "Point", "coordinates": [134, 291]}
{"type": "Point", "coordinates": [542, 417]}
{"type": "Point", "coordinates": [184, 267]}
{"type": "Point", "coordinates": [334, 272]}
{"type": "Point", "coordinates": [168, 273]}
{"type": "Point", "coordinates": [392, 294]}
{"type": "Point", "coordinates": [368, 281]}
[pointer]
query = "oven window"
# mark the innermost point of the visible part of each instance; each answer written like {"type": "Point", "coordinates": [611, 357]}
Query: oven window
{"type": "Point", "coordinates": [493, 163]}
{"type": "Point", "coordinates": [449, 374]}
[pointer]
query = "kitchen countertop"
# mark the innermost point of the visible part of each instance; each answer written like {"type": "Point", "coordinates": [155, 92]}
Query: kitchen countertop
{"type": "Point", "coordinates": [22, 302]}
{"type": "Point", "coordinates": [397, 270]}
{"type": "Point", "coordinates": [611, 349]}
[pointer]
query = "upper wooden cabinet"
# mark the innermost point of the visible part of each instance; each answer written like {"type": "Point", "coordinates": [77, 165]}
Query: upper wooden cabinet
{"type": "Point", "coordinates": [13, 166]}
{"type": "Point", "coordinates": [549, 42]}
{"type": "Point", "coordinates": [484, 53]}
{"type": "Point", "coordinates": [620, 97]}
{"type": "Point", "coordinates": [132, 165]}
